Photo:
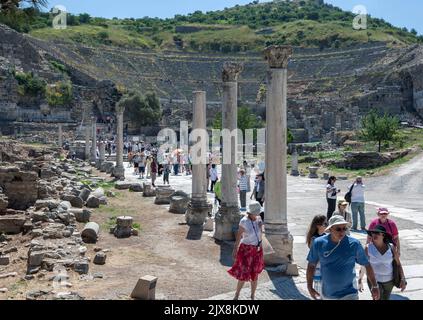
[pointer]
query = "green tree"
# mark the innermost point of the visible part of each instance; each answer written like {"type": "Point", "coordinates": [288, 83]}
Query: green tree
{"type": "Point", "coordinates": [10, 6]}
{"type": "Point", "coordinates": [379, 128]}
{"type": "Point", "coordinates": [143, 110]}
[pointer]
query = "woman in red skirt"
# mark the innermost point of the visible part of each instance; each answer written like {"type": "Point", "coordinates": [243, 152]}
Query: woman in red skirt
{"type": "Point", "coordinates": [249, 262]}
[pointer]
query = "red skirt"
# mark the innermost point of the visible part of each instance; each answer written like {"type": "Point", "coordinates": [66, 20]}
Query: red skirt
{"type": "Point", "coordinates": [249, 263]}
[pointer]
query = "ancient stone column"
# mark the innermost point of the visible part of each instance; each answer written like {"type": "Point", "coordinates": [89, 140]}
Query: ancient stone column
{"type": "Point", "coordinates": [119, 170]}
{"type": "Point", "coordinates": [87, 141]}
{"type": "Point", "coordinates": [227, 219]}
{"type": "Point", "coordinates": [198, 207]}
{"type": "Point", "coordinates": [294, 165]}
{"type": "Point", "coordinates": [275, 217]}
{"type": "Point", "coordinates": [94, 139]}
{"type": "Point", "coordinates": [60, 136]}
{"type": "Point", "coordinates": [102, 150]}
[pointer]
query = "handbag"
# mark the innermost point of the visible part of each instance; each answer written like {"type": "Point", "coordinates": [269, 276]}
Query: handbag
{"type": "Point", "coordinates": [396, 271]}
{"type": "Point", "coordinates": [348, 195]}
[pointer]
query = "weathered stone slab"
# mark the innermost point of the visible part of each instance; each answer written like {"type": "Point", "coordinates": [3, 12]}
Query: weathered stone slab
{"type": "Point", "coordinates": [163, 195]}
{"type": "Point", "coordinates": [122, 185]}
{"type": "Point", "coordinates": [12, 224]}
{"type": "Point", "coordinates": [136, 187]}
{"type": "Point", "coordinates": [81, 215]}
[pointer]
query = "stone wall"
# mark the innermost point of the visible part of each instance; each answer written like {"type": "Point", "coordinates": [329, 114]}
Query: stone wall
{"type": "Point", "coordinates": [21, 187]}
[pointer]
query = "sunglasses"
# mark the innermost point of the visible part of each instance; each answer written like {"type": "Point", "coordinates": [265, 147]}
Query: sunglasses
{"type": "Point", "coordinates": [324, 224]}
{"type": "Point", "coordinates": [341, 229]}
{"type": "Point", "coordinates": [383, 214]}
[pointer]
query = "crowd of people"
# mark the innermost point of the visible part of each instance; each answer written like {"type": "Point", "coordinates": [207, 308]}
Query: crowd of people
{"type": "Point", "coordinates": [333, 251]}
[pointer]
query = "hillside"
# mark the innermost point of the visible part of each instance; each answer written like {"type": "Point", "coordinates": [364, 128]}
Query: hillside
{"type": "Point", "coordinates": [237, 29]}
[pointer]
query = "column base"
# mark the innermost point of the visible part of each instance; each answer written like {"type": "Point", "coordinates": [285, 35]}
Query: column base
{"type": "Point", "coordinates": [119, 173]}
{"type": "Point", "coordinates": [196, 214]}
{"type": "Point", "coordinates": [226, 223]}
{"type": "Point", "coordinates": [282, 244]}
{"type": "Point", "coordinates": [295, 173]}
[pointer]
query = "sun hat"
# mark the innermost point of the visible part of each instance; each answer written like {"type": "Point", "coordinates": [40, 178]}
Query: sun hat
{"type": "Point", "coordinates": [380, 229]}
{"type": "Point", "coordinates": [382, 210]}
{"type": "Point", "coordinates": [337, 220]}
{"type": "Point", "coordinates": [342, 202]}
{"type": "Point", "coordinates": [254, 208]}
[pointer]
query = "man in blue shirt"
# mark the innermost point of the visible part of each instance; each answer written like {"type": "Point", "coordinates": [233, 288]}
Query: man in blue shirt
{"type": "Point", "coordinates": [338, 254]}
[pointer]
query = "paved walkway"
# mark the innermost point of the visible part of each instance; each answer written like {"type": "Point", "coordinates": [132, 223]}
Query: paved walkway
{"type": "Point", "coordinates": [306, 198]}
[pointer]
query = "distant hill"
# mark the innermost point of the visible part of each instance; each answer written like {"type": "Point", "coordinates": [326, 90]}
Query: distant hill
{"type": "Point", "coordinates": [237, 29]}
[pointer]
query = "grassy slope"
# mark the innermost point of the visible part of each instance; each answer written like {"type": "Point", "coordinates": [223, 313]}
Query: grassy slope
{"type": "Point", "coordinates": [235, 29]}
{"type": "Point", "coordinates": [243, 36]}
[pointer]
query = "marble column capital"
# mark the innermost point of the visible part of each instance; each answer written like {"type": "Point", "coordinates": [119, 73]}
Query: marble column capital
{"type": "Point", "coordinates": [278, 56]}
{"type": "Point", "coordinates": [231, 71]}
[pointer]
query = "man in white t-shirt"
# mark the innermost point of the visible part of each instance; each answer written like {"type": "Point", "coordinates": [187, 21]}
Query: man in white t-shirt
{"type": "Point", "coordinates": [358, 203]}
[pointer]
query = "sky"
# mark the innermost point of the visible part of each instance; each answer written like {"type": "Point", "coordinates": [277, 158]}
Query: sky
{"type": "Point", "coordinates": [400, 13]}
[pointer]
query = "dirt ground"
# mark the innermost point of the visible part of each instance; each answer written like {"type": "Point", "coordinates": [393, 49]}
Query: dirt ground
{"type": "Point", "coordinates": [189, 265]}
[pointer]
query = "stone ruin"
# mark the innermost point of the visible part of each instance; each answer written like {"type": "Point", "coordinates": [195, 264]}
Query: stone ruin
{"type": "Point", "coordinates": [43, 200]}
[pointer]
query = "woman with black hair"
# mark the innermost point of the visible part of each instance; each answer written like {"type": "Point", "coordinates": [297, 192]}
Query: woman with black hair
{"type": "Point", "coordinates": [331, 196]}
{"type": "Point", "coordinates": [381, 254]}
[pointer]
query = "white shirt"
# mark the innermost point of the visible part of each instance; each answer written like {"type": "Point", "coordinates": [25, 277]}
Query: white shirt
{"type": "Point", "coordinates": [331, 194]}
{"type": "Point", "coordinates": [381, 264]}
{"type": "Point", "coordinates": [357, 194]}
{"type": "Point", "coordinates": [213, 174]}
{"type": "Point", "coordinates": [251, 229]}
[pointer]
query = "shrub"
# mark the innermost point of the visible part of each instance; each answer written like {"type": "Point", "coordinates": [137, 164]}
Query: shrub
{"type": "Point", "coordinates": [30, 84]}
{"type": "Point", "coordinates": [59, 94]}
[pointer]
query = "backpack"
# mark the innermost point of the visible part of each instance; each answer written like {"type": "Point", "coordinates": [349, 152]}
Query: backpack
{"type": "Point", "coordinates": [348, 195]}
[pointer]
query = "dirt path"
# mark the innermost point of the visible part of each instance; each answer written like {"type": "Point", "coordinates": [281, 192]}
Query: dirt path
{"type": "Point", "coordinates": [188, 265]}
{"type": "Point", "coordinates": [186, 268]}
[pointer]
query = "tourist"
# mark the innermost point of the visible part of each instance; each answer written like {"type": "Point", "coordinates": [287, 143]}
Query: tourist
{"type": "Point", "coordinates": [243, 188]}
{"type": "Point", "coordinates": [358, 204]}
{"type": "Point", "coordinates": [153, 171]}
{"type": "Point", "coordinates": [148, 162]}
{"type": "Point", "coordinates": [331, 196]}
{"type": "Point", "coordinates": [258, 191]}
{"type": "Point", "coordinates": [389, 225]}
{"type": "Point", "coordinates": [213, 176]}
{"type": "Point", "coordinates": [338, 254]}
{"type": "Point", "coordinates": [247, 170]}
{"type": "Point", "coordinates": [166, 172]}
{"type": "Point", "coordinates": [142, 164]}
{"type": "Point", "coordinates": [208, 167]}
{"type": "Point", "coordinates": [343, 212]}
{"type": "Point", "coordinates": [381, 255]}
{"type": "Point", "coordinates": [136, 160]}
{"type": "Point", "coordinates": [130, 159]}
{"type": "Point", "coordinates": [248, 250]}
{"type": "Point", "coordinates": [317, 229]}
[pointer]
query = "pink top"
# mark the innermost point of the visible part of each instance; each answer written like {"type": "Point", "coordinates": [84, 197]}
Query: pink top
{"type": "Point", "coordinates": [389, 225]}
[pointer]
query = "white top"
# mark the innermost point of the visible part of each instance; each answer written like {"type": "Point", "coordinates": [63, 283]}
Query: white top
{"type": "Point", "coordinates": [331, 194]}
{"type": "Point", "coordinates": [213, 174]}
{"type": "Point", "coordinates": [381, 264]}
{"type": "Point", "coordinates": [249, 236]}
{"type": "Point", "coordinates": [357, 194]}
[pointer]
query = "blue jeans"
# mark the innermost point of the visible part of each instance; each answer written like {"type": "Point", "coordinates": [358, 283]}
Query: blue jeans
{"type": "Point", "coordinates": [358, 207]}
